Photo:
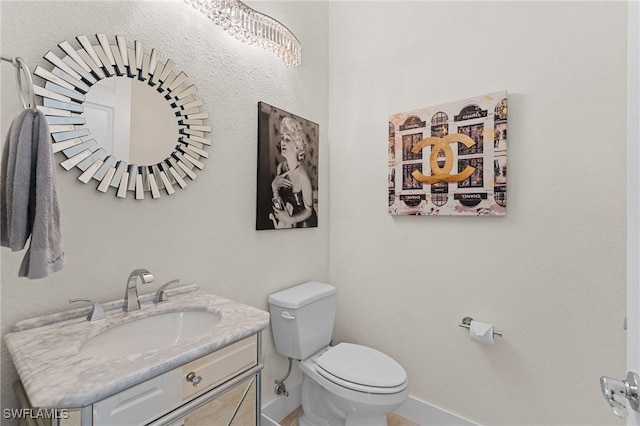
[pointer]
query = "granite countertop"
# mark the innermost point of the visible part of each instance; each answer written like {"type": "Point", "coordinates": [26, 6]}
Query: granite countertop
{"type": "Point", "coordinates": [46, 350]}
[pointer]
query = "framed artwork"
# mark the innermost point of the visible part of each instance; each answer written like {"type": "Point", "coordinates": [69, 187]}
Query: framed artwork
{"type": "Point", "coordinates": [452, 159]}
{"type": "Point", "coordinates": [287, 193]}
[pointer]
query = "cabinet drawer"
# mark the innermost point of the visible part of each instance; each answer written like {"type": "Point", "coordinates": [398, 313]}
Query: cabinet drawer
{"type": "Point", "coordinates": [141, 403]}
{"type": "Point", "coordinates": [218, 367]}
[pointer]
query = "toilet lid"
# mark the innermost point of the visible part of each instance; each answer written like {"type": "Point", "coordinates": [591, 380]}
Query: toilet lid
{"type": "Point", "coordinates": [361, 365]}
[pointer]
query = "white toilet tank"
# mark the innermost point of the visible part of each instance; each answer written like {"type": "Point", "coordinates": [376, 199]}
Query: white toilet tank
{"type": "Point", "coordinates": [302, 318]}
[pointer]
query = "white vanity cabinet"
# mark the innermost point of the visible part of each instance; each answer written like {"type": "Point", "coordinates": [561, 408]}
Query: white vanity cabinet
{"type": "Point", "coordinates": [220, 388]}
{"type": "Point", "coordinates": [81, 374]}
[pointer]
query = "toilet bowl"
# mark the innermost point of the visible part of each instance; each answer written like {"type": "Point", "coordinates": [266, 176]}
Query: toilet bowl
{"type": "Point", "coordinates": [349, 385]}
{"type": "Point", "coordinates": [343, 385]}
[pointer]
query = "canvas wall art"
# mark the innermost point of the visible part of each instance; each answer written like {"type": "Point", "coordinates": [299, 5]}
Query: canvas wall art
{"type": "Point", "coordinates": [287, 170]}
{"type": "Point", "coordinates": [450, 159]}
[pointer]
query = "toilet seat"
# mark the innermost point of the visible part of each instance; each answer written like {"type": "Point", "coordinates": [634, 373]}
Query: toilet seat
{"type": "Point", "coordinates": [362, 369]}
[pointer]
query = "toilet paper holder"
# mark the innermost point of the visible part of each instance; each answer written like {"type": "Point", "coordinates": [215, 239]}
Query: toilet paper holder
{"type": "Point", "coordinates": [466, 323]}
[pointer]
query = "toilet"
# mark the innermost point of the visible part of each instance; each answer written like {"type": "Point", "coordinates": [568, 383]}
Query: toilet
{"type": "Point", "coordinates": [345, 384]}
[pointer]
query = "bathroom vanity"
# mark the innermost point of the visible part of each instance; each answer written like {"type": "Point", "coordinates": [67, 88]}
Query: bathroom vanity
{"type": "Point", "coordinates": [203, 366]}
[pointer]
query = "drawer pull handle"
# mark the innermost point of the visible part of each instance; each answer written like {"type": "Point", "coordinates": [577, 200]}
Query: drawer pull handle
{"type": "Point", "coordinates": [193, 379]}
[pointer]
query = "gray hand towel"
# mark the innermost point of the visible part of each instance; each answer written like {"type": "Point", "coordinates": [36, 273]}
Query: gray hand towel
{"type": "Point", "coordinates": [29, 202]}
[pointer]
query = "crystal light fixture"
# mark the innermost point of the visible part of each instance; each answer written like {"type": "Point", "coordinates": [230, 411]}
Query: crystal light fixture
{"type": "Point", "coordinates": [252, 27]}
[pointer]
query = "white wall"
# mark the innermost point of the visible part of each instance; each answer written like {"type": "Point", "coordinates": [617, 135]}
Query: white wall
{"type": "Point", "coordinates": [633, 195]}
{"type": "Point", "coordinates": [551, 274]}
{"type": "Point", "coordinates": [205, 233]}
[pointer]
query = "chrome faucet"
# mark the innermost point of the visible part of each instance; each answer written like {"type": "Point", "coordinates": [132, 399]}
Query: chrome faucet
{"type": "Point", "coordinates": [161, 295]}
{"type": "Point", "coordinates": [96, 313]}
{"type": "Point", "coordinates": [131, 302]}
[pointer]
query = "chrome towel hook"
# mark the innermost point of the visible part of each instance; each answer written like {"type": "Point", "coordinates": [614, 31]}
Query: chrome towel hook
{"type": "Point", "coordinates": [22, 71]}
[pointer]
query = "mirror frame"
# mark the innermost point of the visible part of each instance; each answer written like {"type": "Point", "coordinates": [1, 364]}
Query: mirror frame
{"type": "Point", "coordinates": [63, 95]}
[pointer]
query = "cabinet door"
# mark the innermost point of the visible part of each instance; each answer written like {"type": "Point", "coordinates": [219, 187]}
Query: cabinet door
{"type": "Point", "coordinates": [236, 407]}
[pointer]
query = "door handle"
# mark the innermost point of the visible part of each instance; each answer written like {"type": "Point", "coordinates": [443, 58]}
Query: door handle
{"type": "Point", "coordinates": [627, 388]}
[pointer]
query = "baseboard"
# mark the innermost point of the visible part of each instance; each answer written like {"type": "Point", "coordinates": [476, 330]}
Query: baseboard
{"type": "Point", "coordinates": [412, 409]}
{"type": "Point", "coordinates": [267, 421]}
{"type": "Point", "coordinates": [277, 409]}
{"type": "Point", "coordinates": [425, 414]}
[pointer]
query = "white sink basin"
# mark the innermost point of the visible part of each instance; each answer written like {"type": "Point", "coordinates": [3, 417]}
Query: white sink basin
{"type": "Point", "coordinates": [150, 333]}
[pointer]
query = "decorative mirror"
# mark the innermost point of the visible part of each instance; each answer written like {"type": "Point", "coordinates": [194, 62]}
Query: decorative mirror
{"type": "Point", "coordinates": [123, 117]}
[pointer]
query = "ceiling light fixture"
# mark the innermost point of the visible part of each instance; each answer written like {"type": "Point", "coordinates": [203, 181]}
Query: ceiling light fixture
{"type": "Point", "coordinates": [252, 27]}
